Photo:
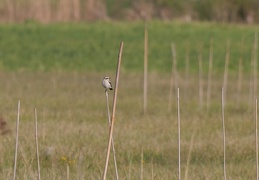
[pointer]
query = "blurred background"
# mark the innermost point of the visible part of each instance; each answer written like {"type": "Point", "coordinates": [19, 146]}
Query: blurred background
{"type": "Point", "coordinates": [90, 10]}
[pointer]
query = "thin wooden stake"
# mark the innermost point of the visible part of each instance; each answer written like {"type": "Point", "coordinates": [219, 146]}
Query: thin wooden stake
{"type": "Point", "coordinates": [113, 148]}
{"type": "Point", "coordinates": [225, 80]}
{"type": "Point", "coordinates": [68, 171]}
{"type": "Point", "coordinates": [239, 81]}
{"type": "Point", "coordinates": [113, 111]}
{"type": "Point", "coordinates": [36, 142]}
{"type": "Point", "coordinates": [16, 140]}
{"type": "Point", "coordinates": [256, 140]}
{"type": "Point", "coordinates": [210, 73]}
{"type": "Point", "coordinates": [179, 135]}
{"type": "Point", "coordinates": [255, 64]}
{"type": "Point", "coordinates": [152, 170]}
{"type": "Point", "coordinates": [187, 62]}
{"type": "Point", "coordinates": [223, 132]}
{"type": "Point", "coordinates": [174, 65]}
{"type": "Point", "coordinates": [253, 80]}
{"type": "Point", "coordinates": [200, 81]}
{"type": "Point", "coordinates": [145, 68]}
{"type": "Point", "coordinates": [173, 82]}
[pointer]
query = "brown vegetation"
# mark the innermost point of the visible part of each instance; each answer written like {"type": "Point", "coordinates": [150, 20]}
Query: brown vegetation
{"type": "Point", "coordinates": [4, 129]}
{"type": "Point", "coordinates": [90, 10]}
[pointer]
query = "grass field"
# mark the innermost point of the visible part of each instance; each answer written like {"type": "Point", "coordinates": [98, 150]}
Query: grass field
{"type": "Point", "coordinates": [94, 46]}
{"type": "Point", "coordinates": [59, 69]}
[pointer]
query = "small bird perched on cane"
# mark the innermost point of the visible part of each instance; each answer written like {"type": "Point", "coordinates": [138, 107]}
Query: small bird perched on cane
{"type": "Point", "coordinates": [106, 83]}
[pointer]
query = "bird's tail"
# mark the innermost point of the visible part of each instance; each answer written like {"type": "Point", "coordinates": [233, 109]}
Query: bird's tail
{"type": "Point", "coordinates": [110, 88]}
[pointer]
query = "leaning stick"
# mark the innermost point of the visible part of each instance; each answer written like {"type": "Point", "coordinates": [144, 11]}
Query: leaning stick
{"type": "Point", "coordinates": [113, 148]}
{"type": "Point", "coordinates": [16, 140]}
{"type": "Point", "coordinates": [179, 135]}
{"type": "Point", "coordinates": [189, 157]}
{"type": "Point", "coordinates": [36, 141]}
{"type": "Point", "coordinates": [223, 132]}
{"type": "Point", "coordinates": [256, 140]}
{"type": "Point", "coordinates": [113, 111]}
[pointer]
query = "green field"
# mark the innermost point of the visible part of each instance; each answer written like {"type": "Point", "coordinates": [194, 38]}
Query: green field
{"type": "Point", "coordinates": [58, 69]}
{"type": "Point", "coordinates": [94, 46]}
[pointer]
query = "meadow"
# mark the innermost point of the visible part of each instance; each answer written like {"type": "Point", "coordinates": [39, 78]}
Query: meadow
{"type": "Point", "coordinates": [58, 69]}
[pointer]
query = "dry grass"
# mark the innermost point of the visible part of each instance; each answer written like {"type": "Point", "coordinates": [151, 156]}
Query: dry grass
{"type": "Point", "coordinates": [72, 127]}
{"type": "Point", "coordinates": [51, 11]}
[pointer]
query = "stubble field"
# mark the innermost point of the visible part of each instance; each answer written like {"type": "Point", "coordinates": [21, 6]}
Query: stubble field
{"type": "Point", "coordinates": [72, 120]}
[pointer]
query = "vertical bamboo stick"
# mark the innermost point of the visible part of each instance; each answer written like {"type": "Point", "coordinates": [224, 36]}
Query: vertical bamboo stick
{"type": "Point", "coordinates": [239, 81]}
{"type": "Point", "coordinates": [113, 111]}
{"type": "Point", "coordinates": [175, 66]}
{"type": "Point", "coordinates": [256, 140]}
{"type": "Point", "coordinates": [187, 65]}
{"type": "Point", "coordinates": [223, 132]}
{"type": "Point", "coordinates": [240, 72]}
{"type": "Point", "coordinates": [255, 64]}
{"type": "Point", "coordinates": [170, 95]}
{"type": "Point", "coordinates": [225, 80]}
{"type": "Point", "coordinates": [173, 82]}
{"type": "Point", "coordinates": [152, 170]}
{"type": "Point", "coordinates": [210, 73]}
{"type": "Point", "coordinates": [145, 67]}
{"type": "Point", "coordinates": [252, 78]}
{"type": "Point", "coordinates": [200, 81]}
{"type": "Point", "coordinates": [113, 148]}
{"type": "Point", "coordinates": [179, 134]}
{"type": "Point", "coordinates": [16, 140]}
{"type": "Point", "coordinates": [68, 170]}
{"type": "Point", "coordinates": [36, 142]}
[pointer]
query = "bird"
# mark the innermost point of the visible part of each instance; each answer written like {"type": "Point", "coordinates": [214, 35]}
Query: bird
{"type": "Point", "coordinates": [106, 83]}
